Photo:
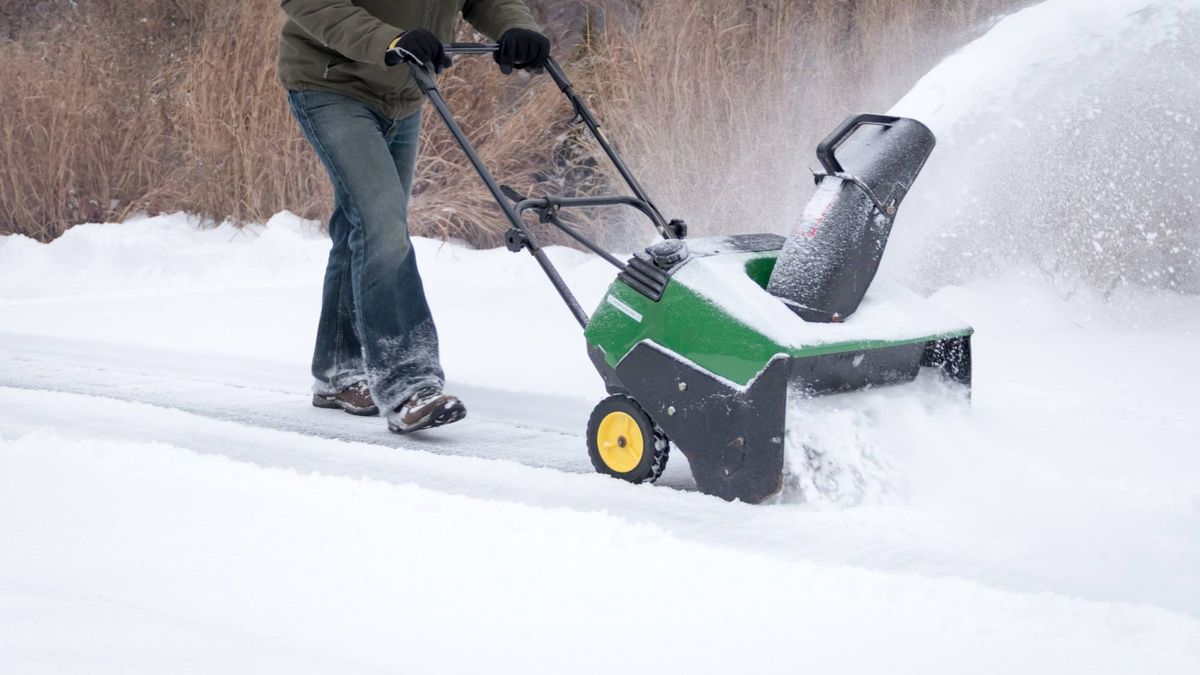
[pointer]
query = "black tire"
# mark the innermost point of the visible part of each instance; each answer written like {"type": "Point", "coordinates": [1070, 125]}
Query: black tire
{"type": "Point", "coordinates": [633, 448]}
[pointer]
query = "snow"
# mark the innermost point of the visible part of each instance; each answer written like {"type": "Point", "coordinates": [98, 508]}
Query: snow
{"type": "Point", "coordinates": [888, 312]}
{"type": "Point", "coordinates": [1061, 146]}
{"type": "Point", "coordinates": [162, 282]}
{"type": "Point", "coordinates": [169, 502]}
{"type": "Point", "coordinates": [1020, 534]}
{"type": "Point", "coordinates": [842, 450]}
{"type": "Point", "coordinates": [409, 579]}
{"type": "Point", "coordinates": [1020, 47]}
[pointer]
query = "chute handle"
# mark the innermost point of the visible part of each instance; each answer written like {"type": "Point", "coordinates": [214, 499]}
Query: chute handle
{"type": "Point", "coordinates": [827, 150]}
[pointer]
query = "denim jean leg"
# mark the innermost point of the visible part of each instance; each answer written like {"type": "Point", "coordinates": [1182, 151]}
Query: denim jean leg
{"type": "Point", "coordinates": [404, 358]}
{"type": "Point", "coordinates": [337, 357]}
{"type": "Point", "coordinates": [417, 364]}
{"type": "Point", "coordinates": [403, 141]}
{"type": "Point", "coordinates": [370, 160]}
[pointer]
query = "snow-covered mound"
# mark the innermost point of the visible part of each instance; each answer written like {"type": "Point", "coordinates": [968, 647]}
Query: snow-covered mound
{"type": "Point", "coordinates": [888, 312]}
{"type": "Point", "coordinates": [1068, 138]}
{"type": "Point", "coordinates": [248, 293]}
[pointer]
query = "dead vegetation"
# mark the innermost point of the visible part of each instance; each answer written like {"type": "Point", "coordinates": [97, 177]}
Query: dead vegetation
{"type": "Point", "coordinates": [173, 105]}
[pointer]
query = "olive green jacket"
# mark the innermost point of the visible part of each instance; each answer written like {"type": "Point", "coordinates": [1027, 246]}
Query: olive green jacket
{"type": "Point", "coordinates": [340, 45]}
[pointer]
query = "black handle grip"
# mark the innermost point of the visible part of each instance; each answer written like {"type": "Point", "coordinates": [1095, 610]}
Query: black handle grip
{"type": "Point", "coordinates": [452, 49]}
{"type": "Point", "coordinates": [456, 49]}
{"type": "Point", "coordinates": [468, 48]}
{"type": "Point", "coordinates": [827, 150]}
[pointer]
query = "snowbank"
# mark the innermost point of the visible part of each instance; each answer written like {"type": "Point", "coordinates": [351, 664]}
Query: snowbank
{"type": "Point", "coordinates": [1019, 50]}
{"type": "Point", "coordinates": [251, 293]}
{"type": "Point", "coordinates": [1067, 139]}
{"type": "Point", "coordinates": [261, 570]}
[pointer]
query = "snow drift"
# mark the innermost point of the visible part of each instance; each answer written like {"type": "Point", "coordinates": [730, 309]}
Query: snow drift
{"type": "Point", "coordinates": [1068, 138]}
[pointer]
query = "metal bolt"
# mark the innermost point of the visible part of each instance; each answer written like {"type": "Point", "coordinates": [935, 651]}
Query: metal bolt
{"type": "Point", "coordinates": [683, 386]}
{"type": "Point", "coordinates": [671, 410]}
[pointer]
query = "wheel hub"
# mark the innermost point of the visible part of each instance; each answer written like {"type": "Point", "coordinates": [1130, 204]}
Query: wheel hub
{"type": "Point", "coordinates": [619, 439]}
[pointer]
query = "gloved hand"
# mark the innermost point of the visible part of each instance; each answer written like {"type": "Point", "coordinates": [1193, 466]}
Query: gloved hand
{"type": "Point", "coordinates": [418, 46]}
{"type": "Point", "coordinates": [522, 49]}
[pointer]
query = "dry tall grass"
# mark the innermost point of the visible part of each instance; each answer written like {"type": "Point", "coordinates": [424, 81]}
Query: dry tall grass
{"type": "Point", "coordinates": [242, 156]}
{"type": "Point", "coordinates": [721, 105]}
{"type": "Point", "coordinates": [84, 130]}
{"type": "Point", "coordinates": [172, 105]}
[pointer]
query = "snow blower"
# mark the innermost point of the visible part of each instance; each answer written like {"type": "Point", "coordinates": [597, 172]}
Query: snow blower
{"type": "Point", "coordinates": [701, 342]}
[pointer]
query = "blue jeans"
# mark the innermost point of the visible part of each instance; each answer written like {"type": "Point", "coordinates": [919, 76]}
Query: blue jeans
{"type": "Point", "coordinates": [375, 323]}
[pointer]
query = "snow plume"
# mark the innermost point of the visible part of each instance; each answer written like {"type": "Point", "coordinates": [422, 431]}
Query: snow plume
{"type": "Point", "coordinates": [1068, 139]}
{"type": "Point", "coordinates": [1068, 143]}
{"type": "Point", "coordinates": [849, 449]}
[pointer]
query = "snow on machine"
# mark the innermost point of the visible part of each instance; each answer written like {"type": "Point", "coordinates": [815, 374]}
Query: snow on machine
{"type": "Point", "coordinates": [701, 342]}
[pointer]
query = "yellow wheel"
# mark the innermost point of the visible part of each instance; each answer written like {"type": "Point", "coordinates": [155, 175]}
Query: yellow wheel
{"type": "Point", "coordinates": [620, 442]}
{"type": "Point", "coordinates": [623, 441]}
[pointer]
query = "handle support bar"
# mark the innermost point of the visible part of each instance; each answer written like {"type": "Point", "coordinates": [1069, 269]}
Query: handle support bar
{"type": "Point", "coordinates": [513, 206]}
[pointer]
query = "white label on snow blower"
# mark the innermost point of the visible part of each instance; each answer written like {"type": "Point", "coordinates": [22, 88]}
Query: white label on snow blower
{"type": "Point", "coordinates": [626, 309]}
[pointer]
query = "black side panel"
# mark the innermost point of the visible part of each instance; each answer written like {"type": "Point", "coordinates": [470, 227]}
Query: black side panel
{"type": "Point", "coordinates": [733, 439]}
{"type": "Point", "coordinates": [611, 382]}
{"type": "Point", "coordinates": [833, 373]}
{"type": "Point", "coordinates": [952, 356]}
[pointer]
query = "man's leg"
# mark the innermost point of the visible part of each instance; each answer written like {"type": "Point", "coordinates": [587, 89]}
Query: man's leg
{"type": "Point", "coordinates": [413, 364]}
{"type": "Point", "coordinates": [337, 358]}
{"type": "Point", "coordinates": [428, 406]}
{"type": "Point", "coordinates": [399, 342]}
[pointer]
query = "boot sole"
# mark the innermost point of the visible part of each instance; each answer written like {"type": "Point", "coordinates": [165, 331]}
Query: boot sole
{"type": "Point", "coordinates": [439, 417]}
{"type": "Point", "coordinates": [330, 403]}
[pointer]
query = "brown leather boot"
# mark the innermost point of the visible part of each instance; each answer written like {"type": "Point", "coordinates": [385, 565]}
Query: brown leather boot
{"type": "Point", "coordinates": [425, 410]}
{"type": "Point", "coordinates": [355, 399]}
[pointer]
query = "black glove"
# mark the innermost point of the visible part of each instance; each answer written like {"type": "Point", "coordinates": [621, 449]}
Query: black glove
{"type": "Point", "coordinates": [522, 49]}
{"type": "Point", "coordinates": [418, 46]}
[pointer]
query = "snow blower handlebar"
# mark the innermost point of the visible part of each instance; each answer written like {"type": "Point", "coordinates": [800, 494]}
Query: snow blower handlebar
{"type": "Point", "coordinates": [514, 204]}
{"type": "Point", "coordinates": [583, 114]}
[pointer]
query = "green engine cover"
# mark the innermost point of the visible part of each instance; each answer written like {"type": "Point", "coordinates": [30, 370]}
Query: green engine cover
{"type": "Point", "coordinates": [715, 313]}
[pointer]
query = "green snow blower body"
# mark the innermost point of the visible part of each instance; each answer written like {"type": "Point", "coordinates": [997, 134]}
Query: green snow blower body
{"type": "Point", "coordinates": [701, 343]}
{"type": "Point", "coordinates": [714, 361]}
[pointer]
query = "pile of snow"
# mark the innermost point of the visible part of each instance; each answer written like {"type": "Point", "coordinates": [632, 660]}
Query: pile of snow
{"type": "Point", "coordinates": [857, 448]}
{"type": "Point", "coordinates": [250, 293]}
{"type": "Point", "coordinates": [1068, 138]}
{"type": "Point", "coordinates": [167, 254]}
{"type": "Point", "coordinates": [888, 312]}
